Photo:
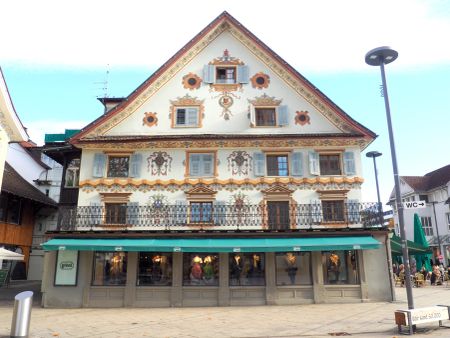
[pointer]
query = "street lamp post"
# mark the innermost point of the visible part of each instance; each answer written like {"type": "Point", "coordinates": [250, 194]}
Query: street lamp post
{"type": "Point", "coordinates": [374, 154]}
{"type": "Point", "coordinates": [379, 57]}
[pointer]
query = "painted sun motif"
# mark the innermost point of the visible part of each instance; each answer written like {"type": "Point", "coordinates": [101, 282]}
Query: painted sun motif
{"type": "Point", "coordinates": [150, 119]}
{"type": "Point", "coordinates": [302, 118]}
{"type": "Point", "coordinates": [260, 80]}
{"type": "Point", "coordinates": [191, 81]}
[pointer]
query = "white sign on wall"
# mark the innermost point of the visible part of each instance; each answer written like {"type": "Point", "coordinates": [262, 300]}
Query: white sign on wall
{"type": "Point", "coordinates": [66, 268]}
{"type": "Point", "coordinates": [414, 204]}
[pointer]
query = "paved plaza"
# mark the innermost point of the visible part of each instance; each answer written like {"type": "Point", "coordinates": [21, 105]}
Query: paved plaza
{"type": "Point", "coordinates": [317, 320]}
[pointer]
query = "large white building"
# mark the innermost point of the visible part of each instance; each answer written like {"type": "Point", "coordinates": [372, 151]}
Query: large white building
{"type": "Point", "coordinates": [226, 178]}
{"type": "Point", "coordinates": [434, 189]}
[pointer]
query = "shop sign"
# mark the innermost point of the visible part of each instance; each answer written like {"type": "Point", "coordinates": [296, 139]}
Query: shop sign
{"type": "Point", "coordinates": [66, 268]}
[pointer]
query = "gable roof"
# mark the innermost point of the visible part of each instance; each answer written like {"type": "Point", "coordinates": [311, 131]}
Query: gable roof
{"type": "Point", "coordinates": [9, 120]}
{"type": "Point", "coordinates": [430, 181]}
{"type": "Point", "coordinates": [222, 23]}
{"type": "Point", "coordinates": [15, 184]}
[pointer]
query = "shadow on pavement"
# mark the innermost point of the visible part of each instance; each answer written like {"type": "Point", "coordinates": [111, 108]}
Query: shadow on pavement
{"type": "Point", "coordinates": [7, 293]}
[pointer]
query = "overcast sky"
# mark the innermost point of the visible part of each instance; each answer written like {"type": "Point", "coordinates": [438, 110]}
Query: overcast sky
{"type": "Point", "coordinates": [314, 35]}
{"type": "Point", "coordinates": [55, 55]}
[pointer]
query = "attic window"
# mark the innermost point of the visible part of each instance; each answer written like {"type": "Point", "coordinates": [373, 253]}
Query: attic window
{"type": "Point", "coordinates": [226, 75]}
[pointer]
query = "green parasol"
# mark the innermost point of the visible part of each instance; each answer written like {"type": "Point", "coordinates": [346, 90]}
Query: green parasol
{"type": "Point", "coordinates": [419, 238]}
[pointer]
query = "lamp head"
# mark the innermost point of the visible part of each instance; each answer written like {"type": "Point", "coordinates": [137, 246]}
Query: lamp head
{"type": "Point", "coordinates": [373, 154]}
{"type": "Point", "coordinates": [380, 55]}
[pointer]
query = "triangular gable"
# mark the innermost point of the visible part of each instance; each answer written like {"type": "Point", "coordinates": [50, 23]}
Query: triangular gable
{"type": "Point", "coordinates": [224, 22]}
{"type": "Point", "coordinates": [277, 190]}
{"type": "Point", "coordinates": [201, 191]}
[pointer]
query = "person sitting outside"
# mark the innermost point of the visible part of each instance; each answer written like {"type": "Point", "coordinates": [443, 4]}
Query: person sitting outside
{"type": "Point", "coordinates": [401, 274]}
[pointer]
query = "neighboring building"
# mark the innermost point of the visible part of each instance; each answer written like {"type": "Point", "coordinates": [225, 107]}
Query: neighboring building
{"type": "Point", "coordinates": [11, 128]}
{"type": "Point", "coordinates": [434, 189]}
{"type": "Point", "coordinates": [21, 207]}
{"type": "Point", "coordinates": [226, 178]}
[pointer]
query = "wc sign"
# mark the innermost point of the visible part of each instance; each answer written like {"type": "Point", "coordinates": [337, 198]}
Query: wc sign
{"type": "Point", "coordinates": [414, 204]}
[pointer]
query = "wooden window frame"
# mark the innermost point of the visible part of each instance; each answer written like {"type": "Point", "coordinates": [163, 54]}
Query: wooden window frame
{"type": "Point", "coordinates": [200, 195]}
{"type": "Point", "coordinates": [76, 171]}
{"type": "Point", "coordinates": [225, 67]}
{"type": "Point", "coordinates": [114, 198]}
{"type": "Point", "coordinates": [278, 193]}
{"type": "Point", "coordinates": [175, 117]}
{"type": "Point", "coordinates": [338, 153]}
{"type": "Point", "coordinates": [110, 155]}
{"type": "Point", "coordinates": [275, 116]}
{"type": "Point", "coordinates": [288, 162]}
{"type": "Point", "coordinates": [190, 152]}
{"type": "Point", "coordinates": [334, 196]}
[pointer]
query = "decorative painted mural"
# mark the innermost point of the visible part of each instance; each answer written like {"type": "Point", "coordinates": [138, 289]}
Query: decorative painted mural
{"type": "Point", "coordinates": [302, 118]}
{"type": "Point", "coordinates": [159, 163]}
{"type": "Point", "coordinates": [239, 162]}
{"type": "Point", "coordinates": [150, 119]}
{"type": "Point", "coordinates": [260, 80]}
{"type": "Point", "coordinates": [191, 81]}
{"type": "Point", "coordinates": [158, 200]}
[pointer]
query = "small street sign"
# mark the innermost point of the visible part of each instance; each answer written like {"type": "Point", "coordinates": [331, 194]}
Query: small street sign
{"type": "Point", "coordinates": [414, 204]}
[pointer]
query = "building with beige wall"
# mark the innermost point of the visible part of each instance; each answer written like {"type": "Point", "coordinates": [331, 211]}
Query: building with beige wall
{"type": "Point", "coordinates": [226, 178]}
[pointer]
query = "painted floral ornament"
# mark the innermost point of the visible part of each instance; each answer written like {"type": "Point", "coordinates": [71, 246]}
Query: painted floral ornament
{"type": "Point", "coordinates": [150, 119]}
{"type": "Point", "coordinates": [191, 81]}
{"type": "Point", "coordinates": [302, 118]}
{"type": "Point", "coordinates": [260, 80]}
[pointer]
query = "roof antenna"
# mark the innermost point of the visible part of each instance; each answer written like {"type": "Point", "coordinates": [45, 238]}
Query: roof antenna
{"type": "Point", "coordinates": [104, 87]}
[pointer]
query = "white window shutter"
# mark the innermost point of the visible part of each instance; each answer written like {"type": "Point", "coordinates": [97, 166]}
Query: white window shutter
{"type": "Point", "coordinates": [135, 165]}
{"type": "Point", "coordinates": [194, 164]}
{"type": "Point", "coordinates": [282, 115]}
{"type": "Point", "coordinates": [314, 168]}
{"type": "Point", "coordinates": [243, 74]}
{"type": "Point", "coordinates": [259, 164]}
{"type": "Point", "coordinates": [297, 164]}
{"type": "Point", "coordinates": [181, 212]}
{"type": "Point", "coordinates": [208, 73]}
{"type": "Point", "coordinates": [349, 163]}
{"type": "Point", "coordinates": [99, 165]}
{"type": "Point", "coordinates": [192, 116]}
{"type": "Point", "coordinates": [207, 164]}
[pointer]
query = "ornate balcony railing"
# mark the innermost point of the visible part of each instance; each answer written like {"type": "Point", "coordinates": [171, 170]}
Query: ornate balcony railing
{"type": "Point", "coordinates": [270, 217]}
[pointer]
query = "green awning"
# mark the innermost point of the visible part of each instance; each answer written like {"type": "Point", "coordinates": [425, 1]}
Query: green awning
{"type": "Point", "coordinates": [214, 244]}
{"type": "Point", "coordinates": [413, 248]}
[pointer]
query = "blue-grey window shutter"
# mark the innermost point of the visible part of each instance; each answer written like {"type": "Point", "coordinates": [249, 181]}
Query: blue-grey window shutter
{"type": "Point", "coordinates": [99, 165]}
{"type": "Point", "coordinates": [194, 165]}
{"type": "Point", "coordinates": [349, 163]}
{"type": "Point", "coordinates": [220, 212]}
{"type": "Point", "coordinates": [252, 116]}
{"type": "Point", "coordinates": [207, 164]}
{"type": "Point", "coordinates": [282, 115]}
{"type": "Point", "coordinates": [133, 213]}
{"type": "Point", "coordinates": [135, 165]}
{"type": "Point", "coordinates": [314, 168]}
{"type": "Point", "coordinates": [208, 73]}
{"type": "Point", "coordinates": [180, 212]}
{"type": "Point", "coordinates": [192, 116]}
{"type": "Point", "coordinates": [297, 164]}
{"type": "Point", "coordinates": [316, 211]}
{"type": "Point", "coordinates": [242, 74]}
{"type": "Point", "coordinates": [259, 164]}
{"type": "Point", "coordinates": [95, 214]}
{"type": "Point", "coordinates": [353, 213]}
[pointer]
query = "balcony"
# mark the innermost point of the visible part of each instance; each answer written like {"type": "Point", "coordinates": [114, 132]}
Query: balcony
{"type": "Point", "coordinates": [220, 217]}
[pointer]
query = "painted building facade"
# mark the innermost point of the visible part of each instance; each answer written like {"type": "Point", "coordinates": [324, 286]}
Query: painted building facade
{"type": "Point", "coordinates": [226, 178]}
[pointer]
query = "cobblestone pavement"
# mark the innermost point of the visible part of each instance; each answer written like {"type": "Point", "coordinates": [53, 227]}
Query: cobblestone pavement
{"type": "Point", "coordinates": [317, 320]}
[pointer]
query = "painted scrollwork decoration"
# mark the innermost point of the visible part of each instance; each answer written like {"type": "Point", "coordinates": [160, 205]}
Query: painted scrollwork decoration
{"type": "Point", "coordinates": [302, 118]}
{"type": "Point", "coordinates": [159, 163]}
{"type": "Point", "coordinates": [239, 162]}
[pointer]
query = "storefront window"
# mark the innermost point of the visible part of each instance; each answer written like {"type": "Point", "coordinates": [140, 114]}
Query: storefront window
{"type": "Point", "coordinates": [200, 269]}
{"type": "Point", "coordinates": [154, 269]}
{"type": "Point", "coordinates": [340, 267]}
{"type": "Point", "coordinates": [110, 268]}
{"type": "Point", "coordinates": [293, 268]}
{"type": "Point", "coordinates": [247, 269]}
